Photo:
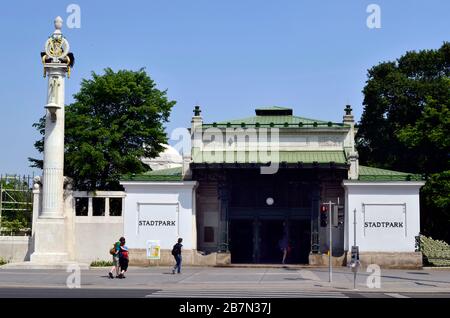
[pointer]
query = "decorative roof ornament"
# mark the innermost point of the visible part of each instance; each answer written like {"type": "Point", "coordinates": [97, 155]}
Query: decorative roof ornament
{"type": "Point", "coordinates": [57, 48]}
{"type": "Point", "coordinates": [348, 117]}
{"type": "Point", "coordinates": [197, 111]}
{"type": "Point", "coordinates": [58, 25]}
{"type": "Point", "coordinates": [348, 110]}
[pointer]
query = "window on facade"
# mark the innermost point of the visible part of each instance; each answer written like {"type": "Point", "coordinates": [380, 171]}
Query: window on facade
{"type": "Point", "coordinates": [81, 206]}
{"type": "Point", "coordinates": [208, 236]}
{"type": "Point", "coordinates": [115, 206]}
{"type": "Point", "coordinates": [98, 206]}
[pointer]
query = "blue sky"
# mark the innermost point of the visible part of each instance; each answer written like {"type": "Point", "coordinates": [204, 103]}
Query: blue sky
{"type": "Point", "coordinates": [228, 56]}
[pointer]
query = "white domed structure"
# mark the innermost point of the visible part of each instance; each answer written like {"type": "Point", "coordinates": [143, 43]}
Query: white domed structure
{"type": "Point", "coordinates": [169, 158]}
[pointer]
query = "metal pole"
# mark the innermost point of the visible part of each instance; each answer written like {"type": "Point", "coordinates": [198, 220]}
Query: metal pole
{"type": "Point", "coordinates": [354, 227]}
{"type": "Point", "coordinates": [330, 266]}
{"type": "Point", "coordinates": [354, 244]}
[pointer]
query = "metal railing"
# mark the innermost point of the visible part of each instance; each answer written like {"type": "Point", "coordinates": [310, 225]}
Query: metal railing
{"type": "Point", "coordinates": [16, 204]}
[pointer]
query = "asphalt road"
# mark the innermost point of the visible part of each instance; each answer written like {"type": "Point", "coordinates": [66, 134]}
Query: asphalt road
{"type": "Point", "coordinates": [224, 283]}
{"type": "Point", "coordinates": [24, 292]}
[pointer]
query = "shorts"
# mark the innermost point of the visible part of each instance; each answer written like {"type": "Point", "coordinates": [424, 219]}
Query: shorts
{"type": "Point", "coordinates": [115, 260]}
{"type": "Point", "coordinates": [123, 264]}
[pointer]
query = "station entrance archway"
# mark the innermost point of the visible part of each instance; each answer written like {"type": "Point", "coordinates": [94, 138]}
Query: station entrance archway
{"type": "Point", "coordinates": [260, 240]}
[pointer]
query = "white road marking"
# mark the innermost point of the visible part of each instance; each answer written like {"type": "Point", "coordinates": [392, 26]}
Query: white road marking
{"type": "Point", "coordinates": [395, 295]}
{"type": "Point", "coordinates": [242, 294]}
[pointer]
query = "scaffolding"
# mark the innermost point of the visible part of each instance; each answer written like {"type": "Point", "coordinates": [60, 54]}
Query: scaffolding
{"type": "Point", "coordinates": [16, 204]}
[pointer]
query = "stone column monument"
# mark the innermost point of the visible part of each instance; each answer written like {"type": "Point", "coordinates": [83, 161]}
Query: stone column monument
{"type": "Point", "coordinates": [50, 238]}
{"type": "Point", "coordinates": [352, 155]}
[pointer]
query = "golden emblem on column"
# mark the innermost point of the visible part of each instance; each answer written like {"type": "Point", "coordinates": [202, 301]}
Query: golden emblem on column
{"type": "Point", "coordinates": [57, 48]}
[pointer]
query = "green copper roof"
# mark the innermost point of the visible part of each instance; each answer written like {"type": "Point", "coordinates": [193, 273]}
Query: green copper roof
{"type": "Point", "coordinates": [276, 117]}
{"type": "Point", "coordinates": [170, 174]}
{"type": "Point", "coordinates": [262, 157]}
{"type": "Point", "coordinates": [377, 174]}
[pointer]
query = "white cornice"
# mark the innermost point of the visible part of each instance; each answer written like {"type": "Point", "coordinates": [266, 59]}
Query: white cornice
{"type": "Point", "coordinates": [159, 183]}
{"type": "Point", "coordinates": [355, 183]}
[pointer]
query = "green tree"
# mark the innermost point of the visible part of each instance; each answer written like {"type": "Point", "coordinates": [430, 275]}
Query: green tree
{"type": "Point", "coordinates": [406, 126]}
{"type": "Point", "coordinates": [117, 118]}
{"type": "Point", "coordinates": [429, 137]}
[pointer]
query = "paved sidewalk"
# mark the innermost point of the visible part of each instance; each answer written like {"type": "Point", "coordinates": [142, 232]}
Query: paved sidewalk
{"type": "Point", "coordinates": [235, 279]}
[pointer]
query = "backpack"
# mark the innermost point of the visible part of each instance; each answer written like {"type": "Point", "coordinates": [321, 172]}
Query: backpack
{"type": "Point", "coordinates": [124, 254]}
{"type": "Point", "coordinates": [176, 250]}
{"type": "Point", "coordinates": [112, 251]}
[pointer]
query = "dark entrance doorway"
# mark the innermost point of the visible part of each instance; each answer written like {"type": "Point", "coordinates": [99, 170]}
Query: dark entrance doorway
{"type": "Point", "coordinates": [299, 241]}
{"type": "Point", "coordinates": [269, 236]}
{"type": "Point", "coordinates": [258, 240]}
{"type": "Point", "coordinates": [241, 239]}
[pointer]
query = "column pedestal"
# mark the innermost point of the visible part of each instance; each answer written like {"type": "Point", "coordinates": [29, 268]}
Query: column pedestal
{"type": "Point", "coordinates": [50, 241]}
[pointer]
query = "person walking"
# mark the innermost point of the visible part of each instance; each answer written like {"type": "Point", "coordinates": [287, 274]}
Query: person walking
{"type": "Point", "coordinates": [115, 250]}
{"type": "Point", "coordinates": [176, 252]}
{"type": "Point", "coordinates": [123, 258]}
{"type": "Point", "coordinates": [284, 247]}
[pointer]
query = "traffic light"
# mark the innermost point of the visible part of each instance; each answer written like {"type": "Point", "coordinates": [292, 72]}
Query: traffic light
{"type": "Point", "coordinates": [323, 215]}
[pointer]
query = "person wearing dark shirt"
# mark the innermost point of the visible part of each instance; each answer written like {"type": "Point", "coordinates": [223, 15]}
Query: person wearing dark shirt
{"type": "Point", "coordinates": [284, 247]}
{"type": "Point", "coordinates": [176, 252]}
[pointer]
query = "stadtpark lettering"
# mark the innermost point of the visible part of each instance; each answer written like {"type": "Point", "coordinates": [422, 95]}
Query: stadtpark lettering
{"type": "Point", "coordinates": [383, 224]}
{"type": "Point", "coordinates": [156, 223]}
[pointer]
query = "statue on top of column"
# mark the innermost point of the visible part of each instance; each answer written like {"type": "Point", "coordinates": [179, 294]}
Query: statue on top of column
{"type": "Point", "coordinates": [53, 90]}
{"type": "Point", "coordinates": [57, 48]}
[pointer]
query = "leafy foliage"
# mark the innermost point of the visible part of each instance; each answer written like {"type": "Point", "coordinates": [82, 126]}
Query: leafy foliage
{"type": "Point", "coordinates": [429, 135]}
{"type": "Point", "coordinates": [117, 118]}
{"type": "Point", "coordinates": [2, 261]}
{"type": "Point", "coordinates": [435, 252]}
{"type": "Point", "coordinates": [102, 264]}
{"type": "Point", "coordinates": [405, 126]}
{"type": "Point", "coordinates": [404, 95]}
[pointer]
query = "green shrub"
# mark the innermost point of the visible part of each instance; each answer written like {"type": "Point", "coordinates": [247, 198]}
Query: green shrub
{"type": "Point", "coordinates": [102, 264]}
{"type": "Point", "coordinates": [2, 261]}
{"type": "Point", "coordinates": [15, 227]}
{"type": "Point", "coordinates": [435, 252]}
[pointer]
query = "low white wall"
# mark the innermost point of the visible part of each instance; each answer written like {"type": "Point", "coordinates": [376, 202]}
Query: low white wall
{"type": "Point", "coordinates": [87, 238]}
{"type": "Point", "coordinates": [94, 239]}
{"type": "Point", "coordinates": [93, 236]}
{"type": "Point", "coordinates": [15, 248]}
{"type": "Point", "coordinates": [387, 215]}
{"type": "Point", "coordinates": [90, 237]}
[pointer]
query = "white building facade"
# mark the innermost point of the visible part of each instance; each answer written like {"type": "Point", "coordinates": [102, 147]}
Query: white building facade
{"type": "Point", "coordinates": [228, 210]}
{"type": "Point", "coordinates": [236, 202]}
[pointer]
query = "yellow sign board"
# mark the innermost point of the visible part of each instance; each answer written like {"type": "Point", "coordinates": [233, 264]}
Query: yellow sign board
{"type": "Point", "coordinates": [153, 249]}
